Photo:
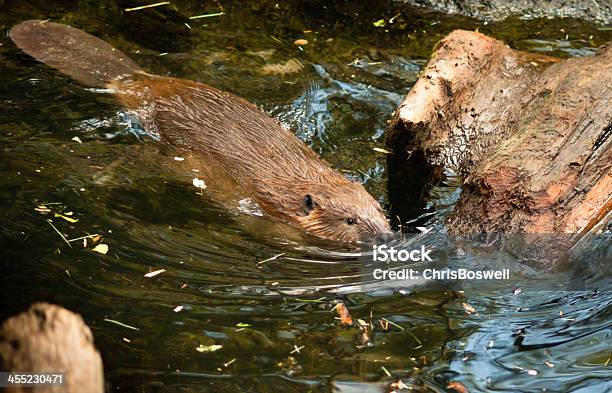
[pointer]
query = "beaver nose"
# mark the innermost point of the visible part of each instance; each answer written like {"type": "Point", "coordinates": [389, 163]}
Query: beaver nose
{"type": "Point", "coordinates": [384, 237]}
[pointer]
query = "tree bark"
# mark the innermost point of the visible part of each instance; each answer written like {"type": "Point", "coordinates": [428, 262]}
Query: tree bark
{"type": "Point", "coordinates": [530, 135]}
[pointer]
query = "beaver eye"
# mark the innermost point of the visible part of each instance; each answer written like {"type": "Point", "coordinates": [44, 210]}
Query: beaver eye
{"type": "Point", "coordinates": [351, 221]}
{"type": "Point", "coordinates": [308, 204]}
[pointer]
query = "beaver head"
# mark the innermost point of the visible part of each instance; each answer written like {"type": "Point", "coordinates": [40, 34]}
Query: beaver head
{"type": "Point", "coordinates": [343, 211]}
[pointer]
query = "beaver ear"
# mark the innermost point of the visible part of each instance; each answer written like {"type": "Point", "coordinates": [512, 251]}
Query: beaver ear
{"type": "Point", "coordinates": [309, 204]}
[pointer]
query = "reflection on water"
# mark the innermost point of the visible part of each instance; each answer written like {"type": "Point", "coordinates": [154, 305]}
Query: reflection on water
{"type": "Point", "coordinates": [240, 283]}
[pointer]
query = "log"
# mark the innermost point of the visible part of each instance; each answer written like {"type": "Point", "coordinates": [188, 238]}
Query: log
{"type": "Point", "coordinates": [49, 338]}
{"type": "Point", "coordinates": [529, 134]}
{"type": "Point", "coordinates": [596, 11]}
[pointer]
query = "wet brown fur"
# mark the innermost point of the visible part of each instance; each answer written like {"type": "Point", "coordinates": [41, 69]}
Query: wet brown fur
{"type": "Point", "coordinates": [227, 134]}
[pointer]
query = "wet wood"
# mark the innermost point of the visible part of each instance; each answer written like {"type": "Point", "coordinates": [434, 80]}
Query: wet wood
{"type": "Point", "coordinates": [530, 134]}
{"type": "Point", "coordinates": [49, 338]}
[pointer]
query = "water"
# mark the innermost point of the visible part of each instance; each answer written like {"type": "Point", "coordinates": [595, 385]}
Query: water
{"type": "Point", "coordinates": [348, 80]}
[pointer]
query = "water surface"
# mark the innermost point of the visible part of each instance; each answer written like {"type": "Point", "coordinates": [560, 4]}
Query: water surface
{"type": "Point", "coordinates": [274, 320]}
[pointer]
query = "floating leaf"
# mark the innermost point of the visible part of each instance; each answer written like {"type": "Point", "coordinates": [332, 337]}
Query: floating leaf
{"type": "Point", "coordinates": [345, 317]}
{"type": "Point", "coordinates": [101, 248]}
{"type": "Point", "coordinates": [379, 23]}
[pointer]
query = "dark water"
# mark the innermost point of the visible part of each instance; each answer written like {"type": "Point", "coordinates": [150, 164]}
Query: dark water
{"type": "Point", "coordinates": [554, 336]}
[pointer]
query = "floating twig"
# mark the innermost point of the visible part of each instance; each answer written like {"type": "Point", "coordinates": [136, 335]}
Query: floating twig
{"type": "Point", "coordinates": [59, 233]}
{"type": "Point", "coordinates": [83, 237]}
{"type": "Point", "coordinates": [271, 258]}
{"type": "Point", "coordinates": [121, 324]}
{"type": "Point", "coordinates": [206, 15]}
{"type": "Point", "coordinates": [142, 7]}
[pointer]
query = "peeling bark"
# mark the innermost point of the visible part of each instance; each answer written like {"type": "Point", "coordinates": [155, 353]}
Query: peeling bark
{"type": "Point", "coordinates": [530, 134]}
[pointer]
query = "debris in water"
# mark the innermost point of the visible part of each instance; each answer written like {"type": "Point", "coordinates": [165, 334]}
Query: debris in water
{"type": "Point", "coordinates": [457, 387]}
{"type": "Point", "coordinates": [379, 23]}
{"type": "Point", "coordinates": [400, 385]}
{"type": "Point", "coordinates": [178, 308]}
{"type": "Point", "coordinates": [199, 183]}
{"type": "Point", "coordinates": [206, 15]}
{"type": "Point", "coordinates": [142, 7]}
{"type": "Point", "coordinates": [101, 248]}
{"type": "Point", "coordinates": [394, 17]}
{"type": "Point", "coordinates": [95, 237]}
{"type": "Point", "coordinates": [343, 312]}
{"type": "Point", "coordinates": [300, 42]}
{"type": "Point", "coordinates": [65, 217]}
{"type": "Point", "coordinates": [121, 324]}
{"type": "Point", "coordinates": [270, 259]}
{"type": "Point", "coordinates": [179, 159]}
{"type": "Point", "coordinates": [380, 150]}
{"type": "Point", "coordinates": [468, 309]}
{"type": "Point", "coordinates": [366, 329]}
{"type": "Point", "coordinates": [208, 348]}
{"type": "Point", "coordinates": [386, 371]}
{"type": "Point", "coordinates": [77, 139]}
{"type": "Point", "coordinates": [59, 233]}
{"type": "Point", "coordinates": [155, 273]}
{"type": "Point", "coordinates": [297, 349]}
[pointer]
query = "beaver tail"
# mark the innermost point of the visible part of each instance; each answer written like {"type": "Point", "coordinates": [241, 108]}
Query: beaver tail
{"type": "Point", "coordinates": [84, 57]}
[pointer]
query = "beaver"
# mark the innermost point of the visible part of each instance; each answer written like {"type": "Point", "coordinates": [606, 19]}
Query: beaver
{"type": "Point", "coordinates": [229, 135]}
